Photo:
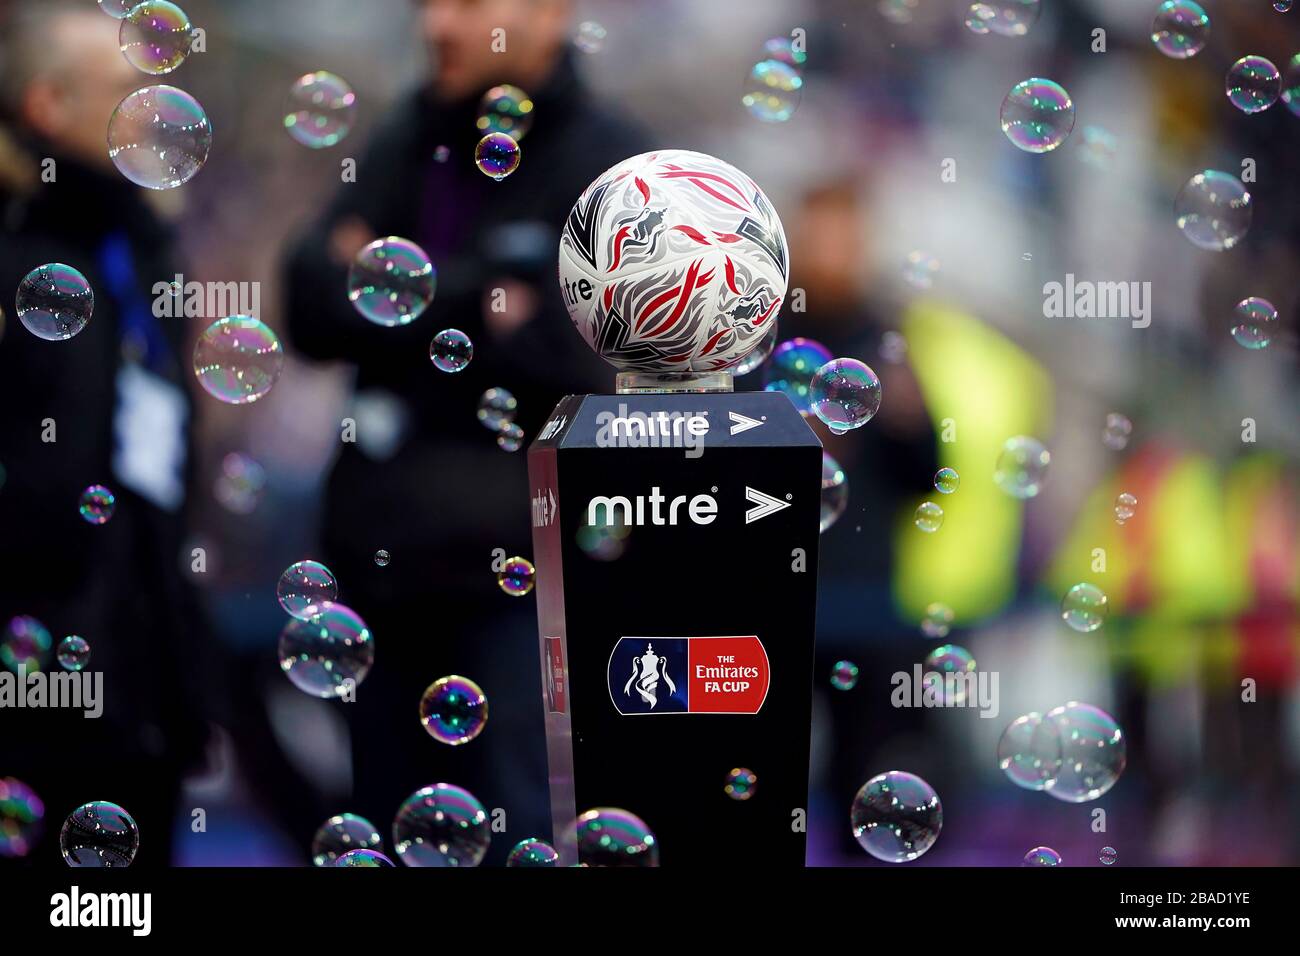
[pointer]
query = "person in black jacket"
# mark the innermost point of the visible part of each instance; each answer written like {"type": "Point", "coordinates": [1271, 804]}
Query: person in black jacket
{"type": "Point", "coordinates": [424, 479]}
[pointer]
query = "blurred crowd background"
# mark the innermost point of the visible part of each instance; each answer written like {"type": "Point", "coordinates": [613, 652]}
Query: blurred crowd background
{"type": "Point", "coordinates": [1202, 582]}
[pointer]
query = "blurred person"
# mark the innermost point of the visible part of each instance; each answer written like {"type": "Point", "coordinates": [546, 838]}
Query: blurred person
{"type": "Point", "coordinates": [425, 480]}
{"type": "Point", "coordinates": [107, 406]}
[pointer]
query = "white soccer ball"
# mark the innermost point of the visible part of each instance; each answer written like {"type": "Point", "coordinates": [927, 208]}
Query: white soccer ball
{"type": "Point", "coordinates": [673, 261]}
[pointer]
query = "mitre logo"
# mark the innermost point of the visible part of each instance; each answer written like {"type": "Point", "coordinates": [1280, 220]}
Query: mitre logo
{"type": "Point", "coordinates": [612, 510]}
{"type": "Point", "coordinates": [688, 675]}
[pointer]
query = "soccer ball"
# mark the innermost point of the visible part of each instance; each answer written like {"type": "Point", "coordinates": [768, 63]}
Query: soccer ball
{"type": "Point", "coordinates": [673, 261]}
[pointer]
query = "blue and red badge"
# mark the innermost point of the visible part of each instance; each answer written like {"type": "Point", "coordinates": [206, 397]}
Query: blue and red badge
{"type": "Point", "coordinates": [688, 675]}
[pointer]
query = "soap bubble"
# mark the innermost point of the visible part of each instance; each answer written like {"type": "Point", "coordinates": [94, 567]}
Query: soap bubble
{"type": "Point", "coordinates": [1010, 18]}
{"type": "Point", "coordinates": [1021, 467]}
{"type": "Point", "coordinates": [532, 852]}
{"type": "Point", "coordinates": [897, 11]}
{"type": "Point", "coordinates": [896, 816]}
{"type": "Point", "coordinates": [1037, 115]}
{"type": "Point", "coordinates": [506, 109]}
{"type": "Point", "coordinates": [835, 491]}
{"type": "Point", "coordinates": [320, 110]}
{"type": "Point", "coordinates": [382, 558]}
{"type": "Point", "coordinates": [73, 653]}
{"type": "Point", "coordinates": [1253, 84]}
{"type": "Point", "coordinates": [511, 437]}
{"type": "Point", "coordinates": [758, 354]}
{"type": "Point", "coordinates": [305, 584]}
{"type": "Point", "coordinates": [1042, 856]}
{"type": "Point", "coordinates": [99, 834]}
{"type": "Point", "coordinates": [929, 517]}
{"type": "Point", "coordinates": [1213, 210]}
{"type": "Point", "coordinates": [342, 834]}
{"type": "Point", "coordinates": [117, 9]}
{"type": "Point", "coordinates": [442, 154]}
{"type": "Point", "coordinates": [783, 49]}
{"type": "Point", "coordinates": [363, 858]}
{"type": "Point", "coordinates": [1125, 507]}
{"type": "Point", "coordinates": [946, 480]}
{"type": "Point", "coordinates": [54, 301]}
{"type": "Point", "coordinates": [1098, 148]}
{"type": "Point", "coordinates": [327, 652]}
{"type": "Point", "coordinates": [772, 91]}
{"type": "Point", "coordinates": [238, 359]}
{"type": "Point", "coordinates": [240, 485]}
{"type": "Point", "coordinates": [1108, 856]}
{"type": "Point", "coordinates": [590, 37]}
{"type": "Point", "coordinates": [893, 347]}
{"type": "Point", "coordinates": [740, 784]}
{"type": "Point", "coordinates": [845, 394]}
{"type": "Point", "coordinates": [1084, 608]}
{"type": "Point", "coordinates": [1117, 431]}
{"type": "Point", "coordinates": [517, 576]}
{"type": "Point", "coordinates": [1180, 29]}
{"type": "Point", "coordinates": [844, 675]}
{"type": "Point", "coordinates": [1283, 6]}
{"type": "Point", "coordinates": [497, 155]}
{"type": "Point", "coordinates": [441, 825]}
{"type": "Point", "coordinates": [1029, 752]}
{"type": "Point", "coordinates": [1093, 752]}
{"type": "Point", "coordinates": [391, 281]}
{"type": "Point", "coordinates": [937, 620]}
{"type": "Point", "coordinates": [454, 710]}
{"type": "Point", "coordinates": [945, 660]}
{"type": "Point", "coordinates": [451, 350]}
{"type": "Point", "coordinates": [155, 36]}
{"type": "Point", "coordinates": [22, 816]}
{"type": "Point", "coordinates": [496, 408]}
{"type": "Point", "coordinates": [1291, 85]}
{"type": "Point", "coordinates": [920, 269]}
{"type": "Point", "coordinates": [159, 137]}
{"type": "Point", "coordinates": [26, 644]}
{"type": "Point", "coordinates": [97, 504]}
{"type": "Point", "coordinates": [609, 836]}
{"type": "Point", "coordinates": [791, 369]}
{"type": "Point", "coordinates": [1253, 323]}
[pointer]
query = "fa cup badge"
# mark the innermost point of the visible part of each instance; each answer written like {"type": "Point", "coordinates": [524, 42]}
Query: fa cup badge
{"type": "Point", "coordinates": [647, 671]}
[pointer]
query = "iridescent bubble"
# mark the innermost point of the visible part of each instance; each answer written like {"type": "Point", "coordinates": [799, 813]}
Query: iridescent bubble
{"type": "Point", "coordinates": [1098, 148]}
{"type": "Point", "coordinates": [240, 485]}
{"type": "Point", "coordinates": [1021, 467]}
{"type": "Point", "coordinates": [1291, 85]}
{"type": "Point", "coordinates": [1108, 856]}
{"type": "Point", "coordinates": [73, 653]}
{"type": "Point", "coordinates": [835, 491]}
{"type": "Point", "coordinates": [897, 11]}
{"type": "Point", "coordinates": [497, 155]}
{"type": "Point", "coordinates": [1010, 18]}
{"type": "Point", "coordinates": [97, 504]}
{"type": "Point", "coordinates": [844, 675]}
{"type": "Point", "coordinates": [382, 558]}
{"type": "Point", "coordinates": [791, 370]}
{"type": "Point", "coordinates": [117, 9]}
{"type": "Point", "coordinates": [1117, 431]}
{"type": "Point", "coordinates": [328, 651]}
{"type": "Point", "coordinates": [238, 359]}
{"type": "Point", "coordinates": [1213, 210]}
{"type": "Point", "coordinates": [740, 783]}
{"type": "Point", "coordinates": [342, 834]}
{"type": "Point", "coordinates": [937, 621]}
{"type": "Point", "coordinates": [511, 437]}
{"type": "Point", "coordinates": [22, 816]}
{"type": "Point", "coordinates": [896, 816]}
{"type": "Point", "coordinates": [1125, 507]}
{"type": "Point", "coordinates": [391, 281]}
{"type": "Point", "coordinates": [155, 36]}
{"type": "Point", "coordinates": [608, 836]}
{"type": "Point", "coordinates": [604, 542]}
{"type": "Point", "coordinates": [516, 577]}
{"type": "Point", "coordinates": [441, 825]}
{"type": "Point", "coordinates": [55, 301]}
{"type": "Point", "coordinates": [372, 859]}
{"type": "Point", "coordinates": [1029, 752]}
{"type": "Point", "coordinates": [1282, 6]}
{"type": "Point", "coordinates": [305, 584]}
{"type": "Point", "coordinates": [783, 49]}
{"type": "Point", "coordinates": [929, 517]}
{"type": "Point", "coordinates": [99, 834]}
{"type": "Point", "coordinates": [1084, 607]}
{"type": "Point", "coordinates": [845, 394]}
{"type": "Point", "coordinates": [1037, 115]}
{"type": "Point", "coordinates": [949, 662]}
{"type": "Point", "coordinates": [454, 710]}
{"type": "Point", "coordinates": [1253, 323]}
{"type": "Point", "coordinates": [506, 109]}
{"type": "Point", "coordinates": [441, 154]}
{"type": "Point", "coordinates": [1180, 29]}
{"type": "Point", "coordinates": [920, 269]}
{"type": "Point", "coordinates": [1042, 856]}
{"type": "Point", "coordinates": [590, 37]}
{"type": "Point", "coordinates": [496, 408]}
{"type": "Point", "coordinates": [26, 644]}
{"type": "Point", "coordinates": [1093, 752]}
{"type": "Point", "coordinates": [320, 109]}
{"type": "Point", "coordinates": [893, 347]}
{"type": "Point", "coordinates": [758, 354]}
{"type": "Point", "coordinates": [978, 17]}
{"type": "Point", "coordinates": [772, 91]}
{"type": "Point", "coordinates": [1253, 84]}
{"type": "Point", "coordinates": [451, 350]}
{"type": "Point", "coordinates": [946, 480]}
{"type": "Point", "coordinates": [532, 852]}
{"type": "Point", "coordinates": [159, 137]}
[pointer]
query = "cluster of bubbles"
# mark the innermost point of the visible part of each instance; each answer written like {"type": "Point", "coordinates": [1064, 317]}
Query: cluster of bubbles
{"type": "Point", "coordinates": [97, 504]}
{"type": "Point", "coordinates": [238, 359]}
{"type": "Point", "coordinates": [391, 281]}
{"type": "Point", "coordinates": [791, 369]}
{"type": "Point", "coordinates": [320, 109]}
{"type": "Point", "coordinates": [505, 115]}
{"type": "Point", "coordinates": [54, 301]}
{"type": "Point", "coordinates": [741, 783]}
{"type": "Point", "coordinates": [532, 852]}
{"type": "Point", "coordinates": [896, 816]}
{"type": "Point", "coordinates": [517, 576]}
{"type": "Point", "coordinates": [327, 650]}
{"type": "Point", "coordinates": [22, 817]}
{"type": "Point", "coordinates": [1213, 210]}
{"type": "Point", "coordinates": [1084, 606]}
{"type": "Point", "coordinates": [99, 834]}
{"type": "Point", "coordinates": [340, 835]}
{"type": "Point", "coordinates": [835, 491]}
{"type": "Point", "coordinates": [73, 653]}
{"type": "Point", "coordinates": [1253, 323]}
{"type": "Point", "coordinates": [1125, 507]}
{"type": "Point", "coordinates": [1037, 115]}
{"type": "Point", "coordinates": [159, 137]}
{"type": "Point", "coordinates": [451, 351]}
{"type": "Point", "coordinates": [26, 644]}
{"type": "Point", "coordinates": [1008, 18]}
{"type": "Point", "coordinates": [844, 675]}
{"type": "Point", "coordinates": [1021, 468]}
{"type": "Point", "coordinates": [454, 710]}
{"type": "Point", "coordinates": [1075, 753]}
{"type": "Point", "coordinates": [845, 394]}
{"type": "Point", "coordinates": [774, 86]}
